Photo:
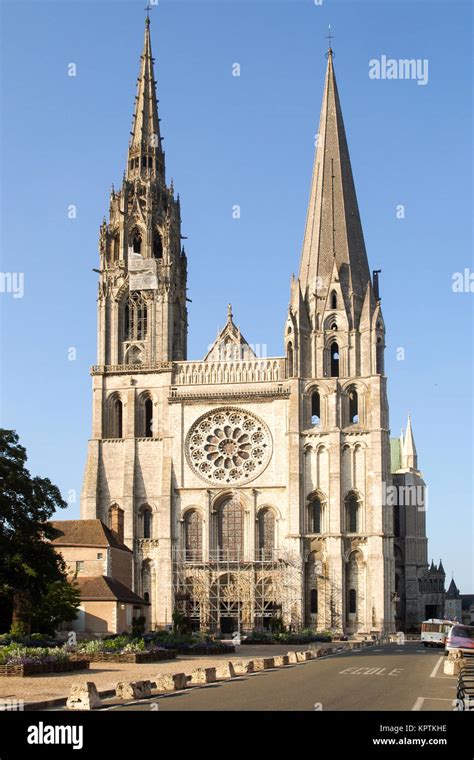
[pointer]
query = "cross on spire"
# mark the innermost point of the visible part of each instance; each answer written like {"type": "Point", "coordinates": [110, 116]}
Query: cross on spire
{"type": "Point", "coordinates": [329, 37]}
{"type": "Point", "coordinates": [148, 9]}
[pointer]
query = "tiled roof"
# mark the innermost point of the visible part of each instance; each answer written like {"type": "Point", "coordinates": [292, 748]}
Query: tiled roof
{"type": "Point", "coordinates": [86, 533]}
{"type": "Point", "coordinates": [101, 588]}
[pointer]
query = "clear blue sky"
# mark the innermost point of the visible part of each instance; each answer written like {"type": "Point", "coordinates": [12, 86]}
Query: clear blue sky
{"type": "Point", "coordinates": [246, 141]}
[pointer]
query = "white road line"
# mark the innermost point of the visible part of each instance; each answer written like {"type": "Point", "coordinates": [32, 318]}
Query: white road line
{"type": "Point", "coordinates": [419, 702]}
{"type": "Point", "coordinates": [436, 667]}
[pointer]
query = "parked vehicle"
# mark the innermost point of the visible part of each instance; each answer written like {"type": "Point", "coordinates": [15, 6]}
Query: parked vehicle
{"type": "Point", "coordinates": [461, 637]}
{"type": "Point", "coordinates": [434, 632]}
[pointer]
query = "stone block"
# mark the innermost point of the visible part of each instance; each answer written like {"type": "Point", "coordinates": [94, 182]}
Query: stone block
{"type": "Point", "coordinates": [292, 657]}
{"type": "Point", "coordinates": [133, 689]}
{"type": "Point", "coordinates": [83, 696]}
{"type": "Point", "coordinates": [453, 663]}
{"type": "Point", "coordinates": [281, 660]}
{"type": "Point", "coordinates": [171, 681]}
{"type": "Point", "coordinates": [225, 671]}
{"type": "Point", "coordinates": [242, 667]}
{"type": "Point", "coordinates": [264, 663]}
{"type": "Point", "coordinates": [203, 675]}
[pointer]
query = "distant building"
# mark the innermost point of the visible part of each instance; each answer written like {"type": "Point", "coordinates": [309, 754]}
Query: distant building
{"type": "Point", "coordinates": [453, 603]}
{"type": "Point", "coordinates": [419, 587]}
{"type": "Point", "coordinates": [102, 565]}
{"type": "Point", "coordinates": [459, 607]}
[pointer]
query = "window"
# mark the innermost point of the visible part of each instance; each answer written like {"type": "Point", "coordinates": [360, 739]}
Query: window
{"type": "Point", "coordinates": [157, 246]}
{"type": "Point", "coordinates": [231, 530]}
{"type": "Point", "coordinates": [333, 300]}
{"type": "Point", "coordinates": [148, 418]}
{"type": "Point", "coordinates": [266, 534]}
{"type": "Point", "coordinates": [379, 357]}
{"type": "Point", "coordinates": [136, 242]}
{"type": "Point", "coordinates": [115, 248]}
{"type": "Point", "coordinates": [352, 600]}
{"type": "Point", "coordinates": [334, 360]}
{"type": "Point", "coordinates": [147, 523]}
{"type": "Point", "coordinates": [150, 162]}
{"type": "Point", "coordinates": [353, 406]}
{"type": "Point", "coordinates": [315, 408]}
{"type": "Point", "coordinates": [193, 536]}
{"type": "Point", "coordinates": [313, 606]}
{"type": "Point", "coordinates": [290, 362]}
{"type": "Point", "coordinates": [146, 596]}
{"type": "Point", "coordinates": [314, 515]}
{"type": "Point", "coordinates": [100, 555]}
{"type": "Point", "coordinates": [116, 419]}
{"type": "Point", "coordinates": [352, 514]}
{"type": "Point", "coordinates": [79, 566]}
{"type": "Point", "coordinates": [136, 317]}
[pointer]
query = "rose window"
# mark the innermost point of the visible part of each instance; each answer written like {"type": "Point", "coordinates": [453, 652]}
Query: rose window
{"type": "Point", "coordinates": [228, 446]}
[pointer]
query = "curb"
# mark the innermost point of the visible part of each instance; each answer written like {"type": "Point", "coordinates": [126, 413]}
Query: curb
{"type": "Point", "coordinates": [316, 653]}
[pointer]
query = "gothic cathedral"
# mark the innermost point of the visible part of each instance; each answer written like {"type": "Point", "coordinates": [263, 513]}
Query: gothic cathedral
{"type": "Point", "coordinates": [252, 491]}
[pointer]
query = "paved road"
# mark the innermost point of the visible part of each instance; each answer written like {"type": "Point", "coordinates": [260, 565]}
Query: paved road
{"type": "Point", "coordinates": [390, 677]}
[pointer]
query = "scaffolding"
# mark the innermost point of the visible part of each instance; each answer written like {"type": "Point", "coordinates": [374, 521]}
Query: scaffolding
{"type": "Point", "coordinates": [227, 593]}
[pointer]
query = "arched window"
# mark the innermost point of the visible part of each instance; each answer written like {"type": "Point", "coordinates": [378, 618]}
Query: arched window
{"type": "Point", "coordinates": [147, 522]}
{"type": "Point", "coordinates": [353, 406]}
{"type": "Point", "coordinates": [148, 418]}
{"type": "Point", "coordinates": [333, 300]}
{"type": "Point", "coordinates": [314, 515]}
{"type": "Point", "coordinates": [290, 362]}
{"type": "Point", "coordinates": [193, 536]}
{"type": "Point", "coordinates": [116, 419]}
{"type": "Point", "coordinates": [115, 248]}
{"type": "Point", "coordinates": [266, 534]}
{"type": "Point", "coordinates": [334, 360]}
{"type": "Point", "coordinates": [146, 596]}
{"type": "Point", "coordinates": [352, 514]}
{"type": "Point", "coordinates": [315, 408]}
{"type": "Point", "coordinates": [136, 242]}
{"type": "Point", "coordinates": [379, 356]}
{"type": "Point", "coordinates": [352, 600]}
{"type": "Point", "coordinates": [313, 605]}
{"type": "Point", "coordinates": [231, 530]}
{"type": "Point", "coordinates": [136, 317]}
{"type": "Point", "coordinates": [157, 246]}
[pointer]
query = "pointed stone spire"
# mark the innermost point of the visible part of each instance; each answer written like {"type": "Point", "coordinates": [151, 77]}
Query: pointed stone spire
{"type": "Point", "coordinates": [453, 591]}
{"type": "Point", "coordinates": [409, 454]}
{"type": "Point", "coordinates": [145, 154]}
{"type": "Point", "coordinates": [333, 227]}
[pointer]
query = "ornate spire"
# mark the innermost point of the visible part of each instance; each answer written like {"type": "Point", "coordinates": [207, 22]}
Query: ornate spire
{"type": "Point", "coordinates": [333, 227]}
{"type": "Point", "coordinates": [145, 154]}
{"type": "Point", "coordinates": [409, 454]}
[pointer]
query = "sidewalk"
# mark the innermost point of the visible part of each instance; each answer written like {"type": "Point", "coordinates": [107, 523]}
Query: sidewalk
{"type": "Point", "coordinates": [106, 675]}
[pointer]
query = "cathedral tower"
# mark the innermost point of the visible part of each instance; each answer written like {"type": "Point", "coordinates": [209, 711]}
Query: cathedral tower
{"type": "Point", "coordinates": [142, 290]}
{"type": "Point", "coordinates": [334, 339]}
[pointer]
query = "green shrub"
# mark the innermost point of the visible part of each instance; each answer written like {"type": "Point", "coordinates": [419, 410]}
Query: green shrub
{"type": "Point", "coordinates": [18, 630]}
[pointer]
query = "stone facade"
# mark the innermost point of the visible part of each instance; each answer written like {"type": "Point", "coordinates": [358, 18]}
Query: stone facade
{"type": "Point", "coordinates": [250, 488]}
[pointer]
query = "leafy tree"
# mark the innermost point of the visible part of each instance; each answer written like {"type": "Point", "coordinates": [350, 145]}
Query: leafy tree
{"type": "Point", "coordinates": [29, 564]}
{"type": "Point", "coordinates": [59, 603]}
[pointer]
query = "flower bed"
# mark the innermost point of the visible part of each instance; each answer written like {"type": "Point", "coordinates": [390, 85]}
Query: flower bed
{"type": "Point", "coordinates": [41, 668]}
{"type": "Point", "coordinates": [203, 649]}
{"type": "Point", "coordinates": [136, 657]}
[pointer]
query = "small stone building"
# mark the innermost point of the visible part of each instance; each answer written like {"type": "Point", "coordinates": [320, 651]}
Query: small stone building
{"type": "Point", "coordinates": [101, 564]}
